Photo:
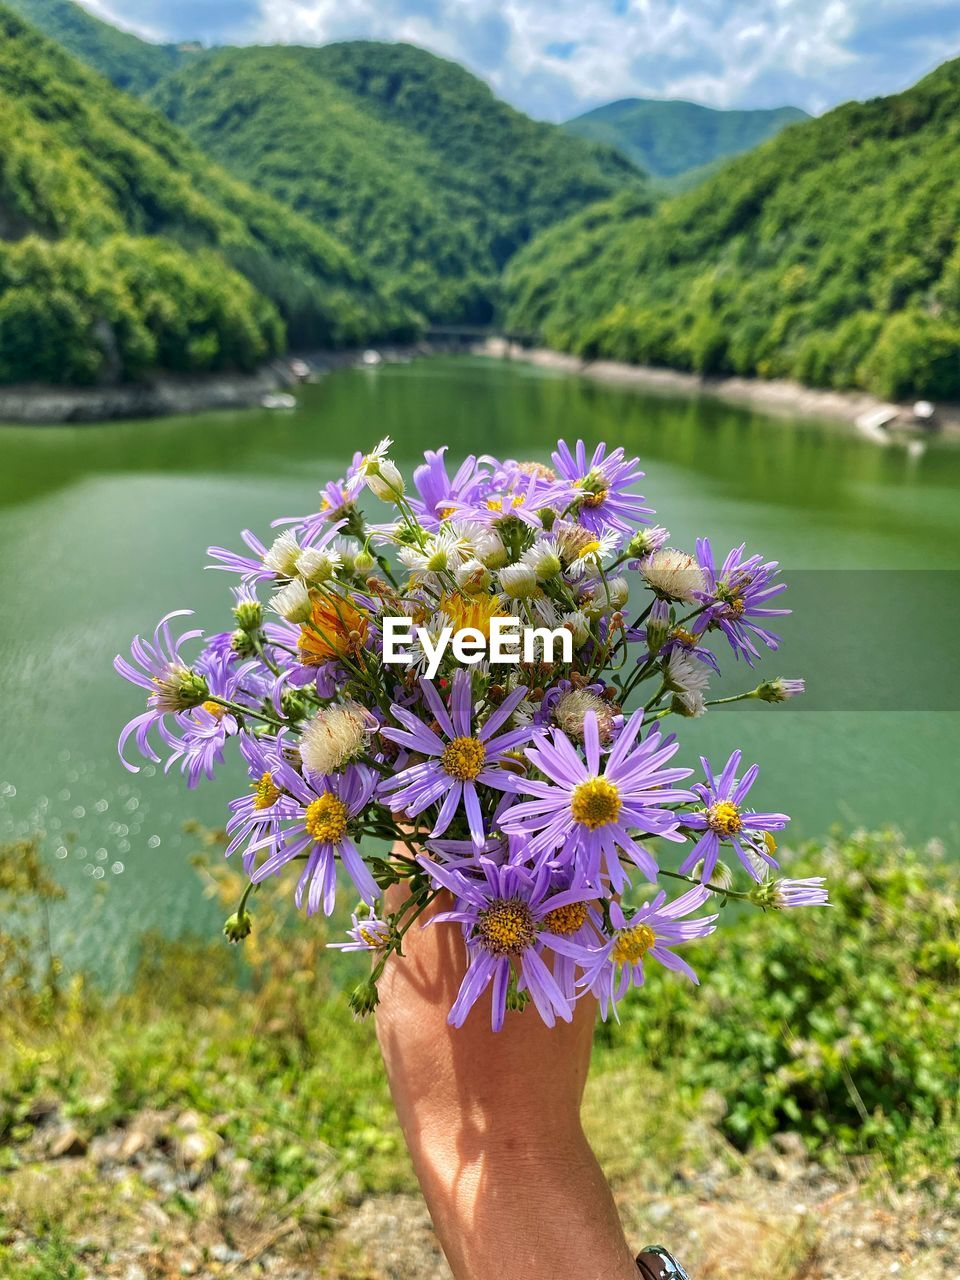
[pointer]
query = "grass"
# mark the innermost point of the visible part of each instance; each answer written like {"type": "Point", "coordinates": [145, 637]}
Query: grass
{"type": "Point", "coordinates": [812, 1024]}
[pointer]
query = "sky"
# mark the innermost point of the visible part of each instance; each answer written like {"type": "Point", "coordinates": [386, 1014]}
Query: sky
{"type": "Point", "coordinates": [557, 58]}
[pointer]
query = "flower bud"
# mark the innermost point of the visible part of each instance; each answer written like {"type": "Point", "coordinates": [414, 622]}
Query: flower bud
{"type": "Point", "coordinates": [365, 561]}
{"type": "Point", "coordinates": [249, 615]}
{"type": "Point", "coordinates": [364, 998]}
{"type": "Point", "coordinates": [619, 592]}
{"type": "Point", "coordinates": [385, 482]}
{"type": "Point", "coordinates": [238, 926]}
{"type": "Point", "coordinates": [241, 642]}
{"type": "Point", "coordinates": [645, 541]}
{"type": "Point", "coordinates": [658, 626]}
{"type": "Point", "coordinates": [780, 690]}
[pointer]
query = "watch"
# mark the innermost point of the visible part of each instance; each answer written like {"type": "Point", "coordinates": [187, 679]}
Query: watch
{"type": "Point", "coordinates": [655, 1263]}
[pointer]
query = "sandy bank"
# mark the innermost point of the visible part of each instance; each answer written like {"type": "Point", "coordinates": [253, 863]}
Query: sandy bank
{"type": "Point", "coordinates": [778, 397]}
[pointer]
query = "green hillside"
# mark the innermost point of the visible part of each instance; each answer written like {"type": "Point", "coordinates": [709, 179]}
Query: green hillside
{"type": "Point", "coordinates": [131, 63]}
{"type": "Point", "coordinates": [127, 246]}
{"type": "Point", "coordinates": [830, 254]}
{"type": "Point", "coordinates": [669, 138]}
{"type": "Point", "coordinates": [408, 158]}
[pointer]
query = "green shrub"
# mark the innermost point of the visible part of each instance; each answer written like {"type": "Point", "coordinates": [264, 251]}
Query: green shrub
{"type": "Point", "coordinates": [838, 1023]}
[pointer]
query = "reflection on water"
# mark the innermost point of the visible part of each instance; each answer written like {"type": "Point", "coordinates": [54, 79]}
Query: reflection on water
{"type": "Point", "coordinates": [103, 528]}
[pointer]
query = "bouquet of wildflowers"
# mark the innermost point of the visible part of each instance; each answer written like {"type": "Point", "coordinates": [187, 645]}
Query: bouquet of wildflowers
{"type": "Point", "coordinates": [442, 700]}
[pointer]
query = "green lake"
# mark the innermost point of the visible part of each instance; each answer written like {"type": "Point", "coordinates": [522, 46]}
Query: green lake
{"type": "Point", "coordinates": [103, 529]}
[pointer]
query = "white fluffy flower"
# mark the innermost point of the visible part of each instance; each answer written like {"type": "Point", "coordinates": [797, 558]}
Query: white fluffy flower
{"type": "Point", "coordinates": [543, 558]}
{"type": "Point", "coordinates": [318, 564]}
{"type": "Point", "coordinates": [673, 574]}
{"type": "Point", "coordinates": [572, 709]}
{"type": "Point", "coordinates": [518, 581]}
{"type": "Point", "coordinates": [293, 602]}
{"type": "Point", "coordinates": [591, 554]}
{"type": "Point", "coordinates": [282, 554]}
{"type": "Point", "coordinates": [334, 736]}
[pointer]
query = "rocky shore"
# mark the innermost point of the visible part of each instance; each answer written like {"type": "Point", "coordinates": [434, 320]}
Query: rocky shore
{"type": "Point", "coordinates": [161, 395]}
{"type": "Point", "coordinates": [164, 1196]}
{"type": "Point", "coordinates": [782, 396]}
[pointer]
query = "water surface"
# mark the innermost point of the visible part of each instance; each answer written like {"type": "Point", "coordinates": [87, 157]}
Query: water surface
{"type": "Point", "coordinates": [102, 529]}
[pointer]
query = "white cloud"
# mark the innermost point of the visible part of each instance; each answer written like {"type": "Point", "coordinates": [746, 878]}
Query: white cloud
{"type": "Point", "coordinates": [557, 57]}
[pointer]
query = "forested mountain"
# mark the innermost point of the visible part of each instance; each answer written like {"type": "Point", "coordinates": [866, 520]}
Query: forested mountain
{"type": "Point", "coordinates": [410, 159]}
{"type": "Point", "coordinates": [122, 247]}
{"type": "Point", "coordinates": [131, 63]}
{"type": "Point", "coordinates": [829, 254]}
{"type": "Point", "coordinates": [670, 138]}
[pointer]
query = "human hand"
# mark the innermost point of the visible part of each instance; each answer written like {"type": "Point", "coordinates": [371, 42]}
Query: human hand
{"type": "Point", "coordinates": [492, 1121]}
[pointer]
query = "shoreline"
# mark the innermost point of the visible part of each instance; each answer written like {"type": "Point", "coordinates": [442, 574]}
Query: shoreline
{"type": "Point", "coordinates": [166, 395]}
{"type": "Point", "coordinates": [779, 397]}
{"type": "Point", "coordinates": [163, 396]}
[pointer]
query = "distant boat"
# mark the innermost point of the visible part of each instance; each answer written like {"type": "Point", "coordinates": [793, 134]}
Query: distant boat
{"type": "Point", "coordinates": [923, 411]}
{"type": "Point", "coordinates": [370, 359]}
{"type": "Point", "coordinates": [278, 400]}
{"type": "Point", "coordinates": [300, 369]}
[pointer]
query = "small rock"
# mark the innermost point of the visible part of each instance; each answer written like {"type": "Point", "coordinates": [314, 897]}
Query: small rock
{"type": "Point", "coordinates": [789, 1144]}
{"type": "Point", "coordinates": [189, 1121]}
{"type": "Point", "coordinates": [133, 1143]}
{"type": "Point", "coordinates": [66, 1142]}
{"type": "Point", "coordinates": [157, 1174]}
{"type": "Point", "coordinates": [134, 1272]}
{"type": "Point", "coordinates": [199, 1147]}
{"type": "Point", "coordinates": [223, 1253]}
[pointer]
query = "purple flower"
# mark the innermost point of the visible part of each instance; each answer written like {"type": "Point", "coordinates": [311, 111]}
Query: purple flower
{"type": "Point", "coordinates": [171, 684]}
{"type": "Point", "coordinates": [321, 831]}
{"type": "Point", "coordinates": [736, 595]}
{"type": "Point", "coordinates": [278, 562]}
{"type": "Point", "coordinates": [588, 810]}
{"type": "Point", "coordinates": [256, 817]}
{"type": "Point", "coordinates": [458, 760]}
{"type": "Point", "coordinates": [784, 894]}
{"type": "Point", "coordinates": [440, 497]}
{"type": "Point", "coordinates": [609, 970]}
{"type": "Point", "coordinates": [601, 487]}
{"type": "Point", "coordinates": [504, 914]}
{"type": "Point", "coordinates": [366, 933]}
{"type": "Point", "coordinates": [723, 819]}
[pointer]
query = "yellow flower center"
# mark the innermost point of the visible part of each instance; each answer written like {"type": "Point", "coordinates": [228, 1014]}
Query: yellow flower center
{"type": "Point", "coordinates": [595, 499]}
{"type": "Point", "coordinates": [214, 709]}
{"type": "Point", "coordinates": [566, 920]}
{"type": "Point", "coordinates": [595, 803]}
{"type": "Point", "coordinates": [326, 819]}
{"type": "Point", "coordinates": [683, 636]}
{"type": "Point", "coordinates": [633, 944]}
{"type": "Point", "coordinates": [506, 927]}
{"type": "Point", "coordinates": [267, 792]}
{"type": "Point", "coordinates": [724, 818]}
{"type": "Point", "coordinates": [375, 940]}
{"type": "Point", "coordinates": [463, 758]}
{"type": "Point", "coordinates": [589, 548]}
